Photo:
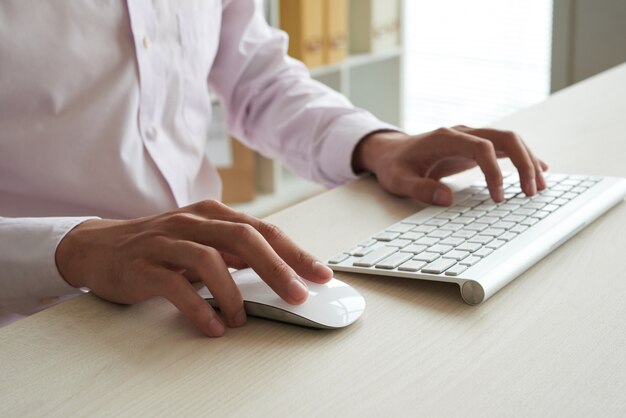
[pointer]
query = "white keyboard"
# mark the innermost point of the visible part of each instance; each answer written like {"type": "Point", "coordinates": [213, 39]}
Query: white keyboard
{"type": "Point", "coordinates": [479, 244]}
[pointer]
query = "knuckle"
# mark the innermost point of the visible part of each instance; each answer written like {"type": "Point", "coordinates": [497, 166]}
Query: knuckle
{"type": "Point", "coordinates": [279, 269]}
{"type": "Point", "coordinates": [209, 205]}
{"type": "Point", "coordinates": [182, 218]}
{"type": "Point", "coordinates": [444, 131]}
{"type": "Point", "coordinates": [485, 147]}
{"type": "Point", "coordinates": [271, 231]}
{"type": "Point", "coordinates": [245, 231]}
{"type": "Point", "coordinates": [208, 256]}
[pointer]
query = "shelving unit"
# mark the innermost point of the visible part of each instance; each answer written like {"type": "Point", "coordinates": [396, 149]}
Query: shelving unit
{"type": "Point", "coordinates": [372, 81]}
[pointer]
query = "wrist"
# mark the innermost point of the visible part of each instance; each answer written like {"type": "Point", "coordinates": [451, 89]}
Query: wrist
{"type": "Point", "coordinates": [372, 148]}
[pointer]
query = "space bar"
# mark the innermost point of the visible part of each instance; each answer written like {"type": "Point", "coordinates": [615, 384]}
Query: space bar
{"type": "Point", "coordinates": [375, 256]}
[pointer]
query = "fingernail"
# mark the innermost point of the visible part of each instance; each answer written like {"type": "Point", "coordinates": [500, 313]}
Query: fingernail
{"type": "Point", "coordinates": [441, 198]}
{"type": "Point", "coordinates": [297, 290]}
{"type": "Point", "coordinates": [322, 270]}
{"type": "Point", "coordinates": [532, 186]}
{"type": "Point", "coordinates": [216, 328]}
{"type": "Point", "coordinates": [240, 318]}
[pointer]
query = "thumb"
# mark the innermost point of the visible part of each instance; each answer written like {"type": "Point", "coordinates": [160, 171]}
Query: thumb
{"type": "Point", "coordinates": [427, 190]}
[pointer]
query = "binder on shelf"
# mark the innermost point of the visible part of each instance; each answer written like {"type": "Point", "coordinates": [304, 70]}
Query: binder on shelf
{"type": "Point", "coordinates": [239, 180]}
{"type": "Point", "coordinates": [303, 21]}
{"type": "Point", "coordinates": [335, 13]}
{"type": "Point", "coordinates": [374, 25]}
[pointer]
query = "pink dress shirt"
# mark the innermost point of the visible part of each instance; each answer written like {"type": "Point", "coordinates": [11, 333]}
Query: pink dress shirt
{"type": "Point", "coordinates": [105, 109]}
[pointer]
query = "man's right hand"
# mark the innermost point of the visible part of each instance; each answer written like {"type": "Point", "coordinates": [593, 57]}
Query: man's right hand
{"type": "Point", "coordinates": [132, 261]}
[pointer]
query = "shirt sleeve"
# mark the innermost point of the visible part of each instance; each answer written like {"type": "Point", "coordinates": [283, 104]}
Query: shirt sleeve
{"type": "Point", "coordinates": [275, 107]}
{"type": "Point", "coordinates": [29, 278]}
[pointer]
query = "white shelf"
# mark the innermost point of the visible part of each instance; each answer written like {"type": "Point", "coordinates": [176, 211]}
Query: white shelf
{"type": "Point", "coordinates": [372, 81]}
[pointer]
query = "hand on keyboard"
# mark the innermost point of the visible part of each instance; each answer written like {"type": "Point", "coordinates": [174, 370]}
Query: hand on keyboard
{"type": "Point", "coordinates": [412, 165]}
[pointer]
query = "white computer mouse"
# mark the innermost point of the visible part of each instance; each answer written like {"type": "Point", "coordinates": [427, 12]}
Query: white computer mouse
{"type": "Point", "coordinates": [330, 305]}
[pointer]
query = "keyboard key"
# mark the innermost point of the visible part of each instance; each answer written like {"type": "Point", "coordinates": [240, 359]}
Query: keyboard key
{"type": "Point", "coordinates": [441, 249]}
{"type": "Point", "coordinates": [476, 227]}
{"type": "Point", "coordinates": [496, 243]}
{"type": "Point", "coordinates": [412, 265]}
{"type": "Point", "coordinates": [487, 220]}
{"type": "Point", "coordinates": [529, 221]}
{"type": "Point", "coordinates": [499, 213]}
{"type": "Point", "coordinates": [394, 261]}
{"type": "Point", "coordinates": [425, 229]}
{"type": "Point", "coordinates": [427, 241]}
{"type": "Point", "coordinates": [569, 196]}
{"type": "Point", "coordinates": [447, 215]}
{"type": "Point", "coordinates": [426, 256]}
{"type": "Point", "coordinates": [440, 233]}
{"type": "Point", "coordinates": [456, 270]}
{"type": "Point", "coordinates": [375, 256]}
{"type": "Point", "coordinates": [399, 242]}
{"type": "Point", "coordinates": [458, 209]}
{"type": "Point", "coordinates": [456, 255]}
{"type": "Point", "coordinates": [436, 222]}
{"type": "Point", "coordinates": [559, 201]}
{"type": "Point", "coordinates": [515, 218]}
{"type": "Point", "coordinates": [470, 261]}
{"type": "Point", "coordinates": [454, 241]}
{"type": "Point", "coordinates": [412, 235]}
{"type": "Point", "coordinates": [438, 266]}
{"type": "Point", "coordinates": [338, 258]}
{"type": "Point", "coordinates": [525, 211]}
{"type": "Point", "coordinates": [518, 229]}
{"type": "Point", "coordinates": [509, 206]}
{"type": "Point", "coordinates": [475, 213]}
{"type": "Point", "coordinates": [415, 249]}
{"type": "Point", "coordinates": [469, 246]}
{"type": "Point", "coordinates": [543, 199]}
{"type": "Point", "coordinates": [483, 252]}
{"type": "Point", "coordinates": [507, 236]}
{"type": "Point", "coordinates": [492, 232]}
{"type": "Point", "coordinates": [363, 251]}
{"type": "Point", "coordinates": [386, 236]}
{"type": "Point", "coordinates": [550, 208]}
{"type": "Point", "coordinates": [480, 239]}
{"type": "Point", "coordinates": [451, 227]}
{"type": "Point", "coordinates": [534, 205]}
{"type": "Point", "coordinates": [503, 225]}
{"type": "Point", "coordinates": [464, 220]}
{"type": "Point", "coordinates": [400, 227]}
{"type": "Point", "coordinates": [540, 214]}
{"type": "Point", "coordinates": [464, 234]}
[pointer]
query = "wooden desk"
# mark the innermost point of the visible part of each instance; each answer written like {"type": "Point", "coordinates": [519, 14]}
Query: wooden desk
{"type": "Point", "coordinates": [550, 343]}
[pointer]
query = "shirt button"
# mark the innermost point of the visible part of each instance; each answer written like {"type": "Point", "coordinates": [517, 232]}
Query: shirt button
{"type": "Point", "coordinates": [48, 300]}
{"type": "Point", "coordinates": [146, 42]}
{"type": "Point", "coordinates": [152, 133]}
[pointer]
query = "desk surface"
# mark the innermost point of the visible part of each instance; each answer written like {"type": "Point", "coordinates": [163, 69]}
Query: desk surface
{"type": "Point", "coordinates": [550, 343]}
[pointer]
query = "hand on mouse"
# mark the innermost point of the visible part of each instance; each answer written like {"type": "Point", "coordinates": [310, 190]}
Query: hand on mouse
{"type": "Point", "coordinates": [134, 260]}
{"type": "Point", "coordinates": [412, 165]}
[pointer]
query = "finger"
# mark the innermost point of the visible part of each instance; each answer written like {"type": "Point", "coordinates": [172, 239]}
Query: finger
{"type": "Point", "coordinates": [304, 264]}
{"type": "Point", "coordinates": [245, 242]}
{"type": "Point", "coordinates": [234, 261]}
{"type": "Point", "coordinates": [175, 288]}
{"type": "Point", "coordinates": [423, 189]}
{"type": "Point", "coordinates": [208, 264]}
{"type": "Point", "coordinates": [544, 166]}
{"type": "Point", "coordinates": [513, 146]}
{"type": "Point", "coordinates": [453, 143]}
{"type": "Point", "coordinates": [541, 181]}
